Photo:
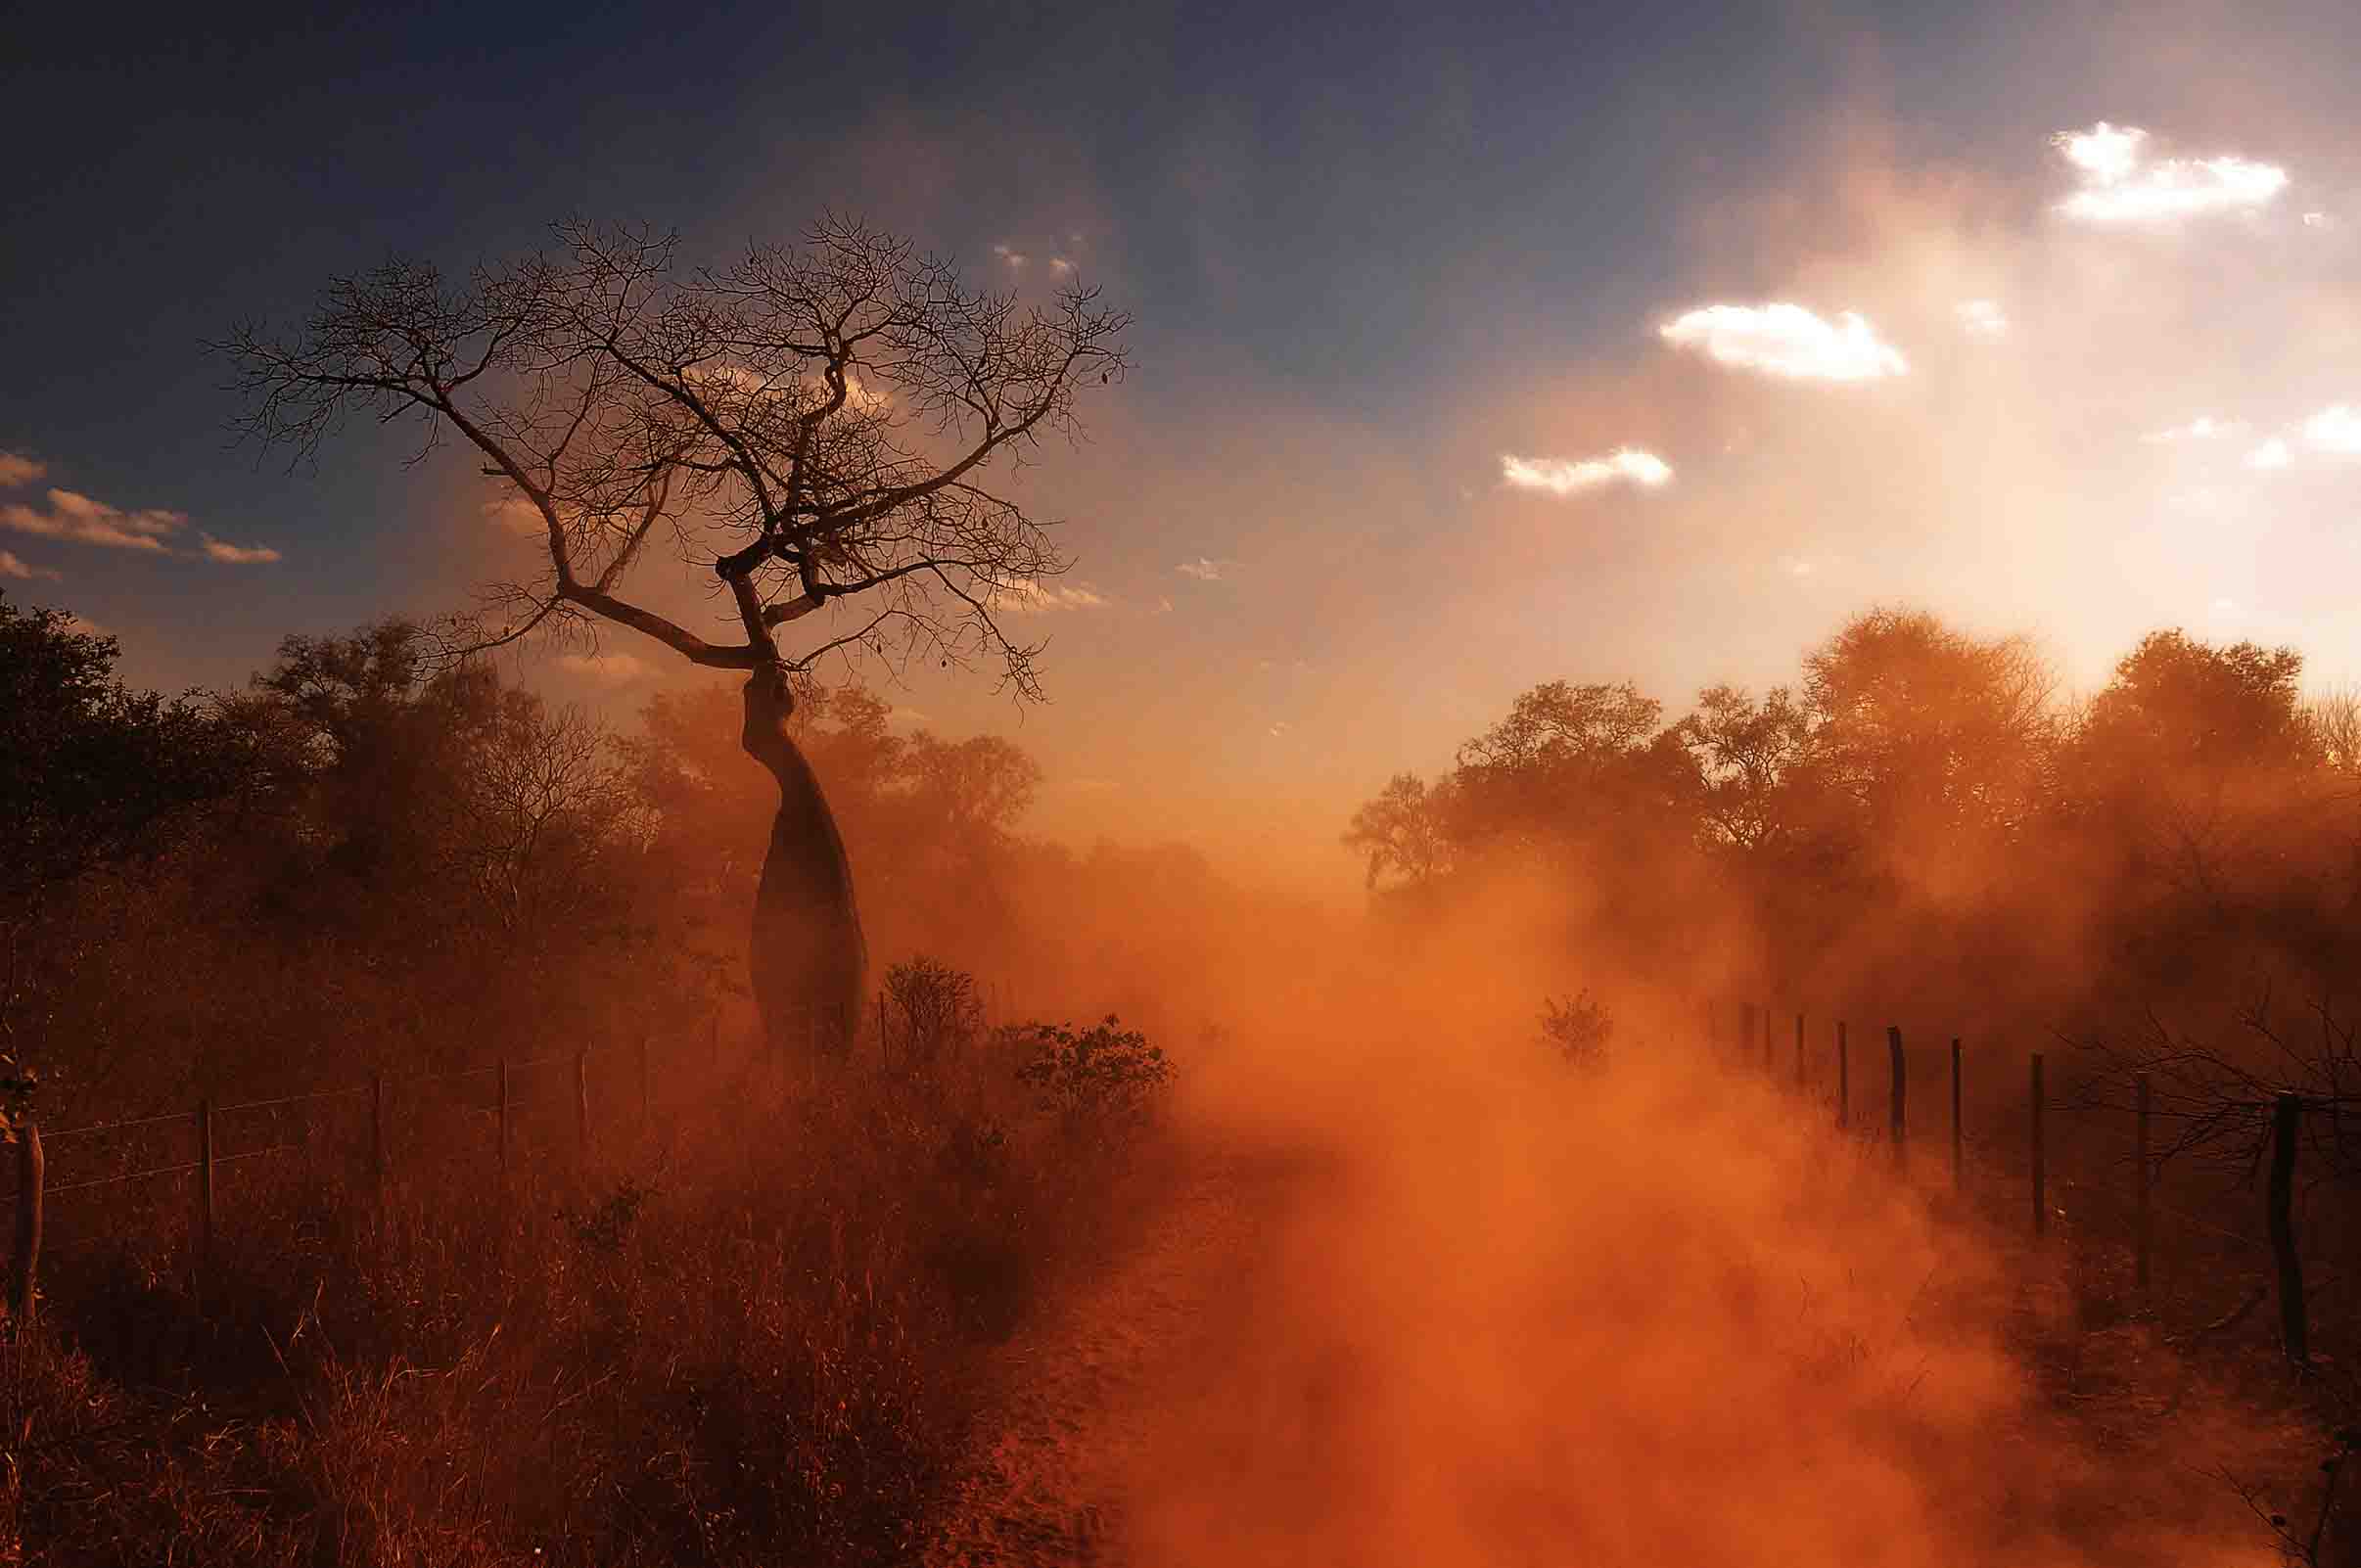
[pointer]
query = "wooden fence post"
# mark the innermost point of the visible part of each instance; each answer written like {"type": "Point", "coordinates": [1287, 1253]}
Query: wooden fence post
{"type": "Point", "coordinates": [647, 1103]}
{"type": "Point", "coordinates": [2041, 1156]}
{"type": "Point", "coordinates": [1844, 1080]}
{"type": "Point", "coordinates": [503, 1130]}
{"type": "Point", "coordinates": [2286, 1121]}
{"type": "Point", "coordinates": [1770, 1049]}
{"type": "Point", "coordinates": [26, 1265]}
{"type": "Point", "coordinates": [1958, 1169]}
{"type": "Point", "coordinates": [1901, 1083]}
{"type": "Point", "coordinates": [1799, 1053]}
{"type": "Point", "coordinates": [582, 1101]}
{"type": "Point", "coordinates": [2146, 1243]}
{"type": "Point", "coordinates": [1746, 1039]}
{"type": "Point", "coordinates": [204, 1178]}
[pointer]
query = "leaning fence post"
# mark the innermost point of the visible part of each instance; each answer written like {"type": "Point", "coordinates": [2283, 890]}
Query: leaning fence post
{"type": "Point", "coordinates": [2285, 1122]}
{"type": "Point", "coordinates": [2146, 1232]}
{"type": "Point", "coordinates": [1844, 1080]}
{"type": "Point", "coordinates": [1746, 1039]}
{"type": "Point", "coordinates": [1901, 1082]}
{"type": "Point", "coordinates": [581, 1100]}
{"type": "Point", "coordinates": [1799, 1053]}
{"type": "Point", "coordinates": [1958, 1179]}
{"type": "Point", "coordinates": [2041, 1156]}
{"type": "Point", "coordinates": [205, 1177]}
{"type": "Point", "coordinates": [25, 1267]}
{"type": "Point", "coordinates": [1770, 1050]}
{"type": "Point", "coordinates": [503, 1130]}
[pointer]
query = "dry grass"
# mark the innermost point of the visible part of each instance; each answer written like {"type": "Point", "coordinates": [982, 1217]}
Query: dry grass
{"type": "Point", "coordinates": [748, 1334]}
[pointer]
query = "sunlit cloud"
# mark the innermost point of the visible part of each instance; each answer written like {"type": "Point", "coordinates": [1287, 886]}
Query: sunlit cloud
{"type": "Point", "coordinates": [1203, 569]}
{"type": "Point", "coordinates": [15, 471]}
{"type": "Point", "coordinates": [1787, 340]}
{"type": "Point", "coordinates": [1983, 318]}
{"type": "Point", "coordinates": [2318, 220]}
{"type": "Point", "coordinates": [2270, 454]}
{"type": "Point", "coordinates": [2335, 429]}
{"type": "Point", "coordinates": [73, 516]}
{"type": "Point", "coordinates": [1562, 477]}
{"type": "Point", "coordinates": [12, 565]}
{"type": "Point", "coordinates": [516, 515]}
{"type": "Point", "coordinates": [1014, 260]}
{"type": "Point", "coordinates": [608, 669]}
{"type": "Point", "coordinates": [1061, 266]}
{"type": "Point", "coordinates": [2203, 427]}
{"type": "Point", "coordinates": [1027, 597]}
{"type": "Point", "coordinates": [2121, 184]}
{"type": "Point", "coordinates": [236, 554]}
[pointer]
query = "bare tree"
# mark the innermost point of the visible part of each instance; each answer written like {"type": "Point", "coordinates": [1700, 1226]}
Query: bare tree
{"type": "Point", "coordinates": [824, 427]}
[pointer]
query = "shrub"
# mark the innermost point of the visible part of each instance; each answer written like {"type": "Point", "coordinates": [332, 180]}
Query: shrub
{"type": "Point", "coordinates": [941, 1015]}
{"type": "Point", "coordinates": [1104, 1072]}
{"type": "Point", "coordinates": [1578, 1027]}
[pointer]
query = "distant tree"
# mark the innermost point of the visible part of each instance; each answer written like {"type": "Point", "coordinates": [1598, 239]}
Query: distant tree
{"type": "Point", "coordinates": [1748, 749]}
{"type": "Point", "coordinates": [93, 776]}
{"type": "Point", "coordinates": [1926, 740]}
{"type": "Point", "coordinates": [1569, 761]}
{"type": "Point", "coordinates": [822, 425]}
{"type": "Point", "coordinates": [1404, 834]}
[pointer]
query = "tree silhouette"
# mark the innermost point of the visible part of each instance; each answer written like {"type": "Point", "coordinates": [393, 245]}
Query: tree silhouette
{"type": "Point", "coordinates": [825, 428]}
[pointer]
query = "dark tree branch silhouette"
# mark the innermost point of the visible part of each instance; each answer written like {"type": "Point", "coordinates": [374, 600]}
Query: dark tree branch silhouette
{"type": "Point", "coordinates": [815, 423]}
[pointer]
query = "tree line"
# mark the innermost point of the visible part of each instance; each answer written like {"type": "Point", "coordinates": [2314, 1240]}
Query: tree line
{"type": "Point", "coordinates": [373, 858]}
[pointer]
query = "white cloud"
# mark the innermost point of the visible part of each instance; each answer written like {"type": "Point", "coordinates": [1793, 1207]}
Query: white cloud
{"type": "Point", "coordinates": [238, 555]}
{"type": "Point", "coordinates": [2121, 185]}
{"type": "Point", "coordinates": [1561, 477]}
{"type": "Point", "coordinates": [1280, 728]}
{"type": "Point", "coordinates": [1982, 317]}
{"type": "Point", "coordinates": [2203, 427]}
{"type": "Point", "coordinates": [2335, 429]}
{"type": "Point", "coordinates": [2318, 220]}
{"type": "Point", "coordinates": [1203, 569]}
{"type": "Point", "coordinates": [1061, 266]}
{"type": "Point", "coordinates": [1786, 340]}
{"type": "Point", "coordinates": [611, 670]}
{"type": "Point", "coordinates": [1796, 566]}
{"type": "Point", "coordinates": [13, 566]}
{"type": "Point", "coordinates": [15, 471]}
{"type": "Point", "coordinates": [2270, 454]}
{"type": "Point", "coordinates": [1015, 259]}
{"type": "Point", "coordinates": [76, 517]}
{"type": "Point", "coordinates": [1027, 597]}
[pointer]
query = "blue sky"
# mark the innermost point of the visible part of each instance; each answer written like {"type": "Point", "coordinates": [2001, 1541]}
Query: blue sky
{"type": "Point", "coordinates": [1373, 252]}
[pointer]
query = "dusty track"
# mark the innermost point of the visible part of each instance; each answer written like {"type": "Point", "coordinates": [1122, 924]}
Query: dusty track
{"type": "Point", "coordinates": [1075, 1397]}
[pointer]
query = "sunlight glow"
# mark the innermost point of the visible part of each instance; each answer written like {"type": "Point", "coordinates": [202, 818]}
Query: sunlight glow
{"type": "Point", "coordinates": [2203, 427]}
{"type": "Point", "coordinates": [1982, 319]}
{"type": "Point", "coordinates": [2335, 429]}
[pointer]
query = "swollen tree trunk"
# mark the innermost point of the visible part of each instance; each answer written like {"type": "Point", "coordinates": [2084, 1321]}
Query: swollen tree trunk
{"type": "Point", "coordinates": [807, 959]}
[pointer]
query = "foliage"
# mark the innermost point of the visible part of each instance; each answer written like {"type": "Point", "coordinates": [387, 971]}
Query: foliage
{"type": "Point", "coordinates": [1578, 1027]}
{"type": "Point", "coordinates": [940, 1013]}
{"type": "Point", "coordinates": [93, 776]}
{"type": "Point", "coordinates": [1104, 1072]}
